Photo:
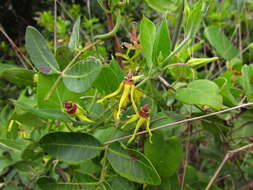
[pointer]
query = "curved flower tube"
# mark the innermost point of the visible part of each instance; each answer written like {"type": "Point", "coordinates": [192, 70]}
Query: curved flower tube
{"type": "Point", "coordinates": [128, 90]}
{"type": "Point", "coordinates": [142, 118]}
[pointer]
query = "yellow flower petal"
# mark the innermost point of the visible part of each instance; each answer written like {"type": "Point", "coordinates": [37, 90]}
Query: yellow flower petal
{"type": "Point", "coordinates": [132, 119]}
{"type": "Point", "coordinates": [140, 122]}
{"type": "Point", "coordinates": [132, 98]}
{"type": "Point", "coordinates": [115, 93]}
{"type": "Point", "coordinates": [148, 129]}
{"type": "Point", "coordinates": [125, 94]}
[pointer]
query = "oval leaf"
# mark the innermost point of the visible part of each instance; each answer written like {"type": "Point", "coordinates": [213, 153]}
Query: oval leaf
{"type": "Point", "coordinates": [147, 38]}
{"type": "Point", "coordinates": [37, 48]}
{"type": "Point", "coordinates": [221, 43]}
{"type": "Point", "coordinates": [81, 76]}
{"type": "Point", "coordinates": [43, 113]}
{"type": "Point", "coordinates": [60, 95]}
{"type": "Point", "coordinates": [74, 38]}
{"type": "Point", "coordinates": [132, 165]}
{"type": "Point", "coordinates": [45, 183]}
{"type": "Point", "coordinates": [162, 42]}
{"type": "Point", "coordinates": [19, 76]}
{"type": "Point", "coordinates": [71, 147]}
{"type": "Point", "coordinates": [201, 92]}
{"type": "Point", "coordinates": [163, 5]}
{"type": "Point", "coordinates": [166, 161]}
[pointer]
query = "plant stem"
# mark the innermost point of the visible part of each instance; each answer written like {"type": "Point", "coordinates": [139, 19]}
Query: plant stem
{"type": "Point", "coordinates": [229, 155]}
{"type": "Point", "coordinates": [175, 51]}
{"type": "Point", "coordinates": [55, 25]}
{"type": "Point", "coordinates": [181, 121]}
{"type": "Point", "coordinates": [103, 171]}
{"type": "Point", "coordinates": [50, 92]}
{"type": "Point", "coordinates": [178, 26]}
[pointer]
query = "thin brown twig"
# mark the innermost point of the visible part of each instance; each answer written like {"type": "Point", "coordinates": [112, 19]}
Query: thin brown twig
{"type": "Point", "coordinates": [247, 186]}
{"type": "Point", "coordinates": [55, 25]}
{"type": "Point", "coordinates": [60, 171]}
{"type": "Point", "coordinates": [181, 121]}
{"type": "Point", "coordinates": [23, 59]}
{"type": "Point", "coordinates": [229, 155]}
{"type": "Point", "coordinates": [116, 42]}
{"type": "Point", "coordinates": [169, 86]}
{"type": "Point", "coordinates": [189, 129]}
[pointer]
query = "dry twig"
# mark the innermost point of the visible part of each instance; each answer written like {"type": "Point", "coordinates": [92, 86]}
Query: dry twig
{"type": "Point", "coordinates": [229, 155]}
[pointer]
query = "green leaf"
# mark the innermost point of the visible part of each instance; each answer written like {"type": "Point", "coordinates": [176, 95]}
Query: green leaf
{"type": "Point", "coordinates": [80, 77]}
{"type": "Point", "coordinates": [75, 35]}
{"type": "Point", "coordinates": [132, 165]}
{"type": "Point", "coordinates": [37, 48]}
{"type": "Point", "coordinates": [71, 147]}
{"type": "Point", "coordinates": [43, 113]}
{"type": "Point", "coordinates": [225, 90]}
{"type": "Point", "coordinates": [221, 43]}
{"type": "Point", "coordinates": [201, 92]}
{"type": "Point", "coordinates": [4, 66]}
{"type": "Point", "coordinates": [180, 72]}
{"type": "Point", "coordinates": [19, 76]}
{"type": "Point", "coordinates": [246, 81]}
{"type": "Point", "coordinates": [120, 183]}
{"type": "Point", "coordinates": [162, 42]}
{"type": "Point", "coordinates": [109, 78]}
{"type": "Point", "coordinates": [194, 19]}
{"type": "Point", "coordinates": [63, 56]}
{"type": "Point", "coordinates": [163, 5]}
{"type": "Point", "coordinates": [50, 184]}
{"type": "Point", "coordinates": [166, 155]}
{"type": "Point", "coordinates": [147, 38]}
{"type": "Point", "coordinates": [60, 95]}
{"type": "Point", "coordinates": [13, 145]}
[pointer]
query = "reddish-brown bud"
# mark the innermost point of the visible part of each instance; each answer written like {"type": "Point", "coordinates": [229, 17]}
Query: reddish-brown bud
{"type": "Point", "coordinates": [70, 107]}
{"type": "Point", "coordinates": [144, 112]}
{"type": "Point", "coordinates": [129, 78]}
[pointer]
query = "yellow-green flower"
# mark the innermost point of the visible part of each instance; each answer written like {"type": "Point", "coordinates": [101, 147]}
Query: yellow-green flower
{"type": "Point", "coordinates": [142, 118]}
{"type": "Point", "coordinates": [129, 94]}
{"type": "Point", "coordinates": [75, 110]}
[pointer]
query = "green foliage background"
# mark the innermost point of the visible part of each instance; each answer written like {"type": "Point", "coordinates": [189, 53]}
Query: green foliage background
{"type": "Point", "coordinates": [189, 59]}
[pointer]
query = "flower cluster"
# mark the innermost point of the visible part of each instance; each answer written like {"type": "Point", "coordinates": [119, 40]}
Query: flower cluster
{"type": "Point", "coordinates": [142, 118]}
{"type": "Point", "coordinates": [128, 90]}
{"type": "Point", "coordinates": [128, 93]}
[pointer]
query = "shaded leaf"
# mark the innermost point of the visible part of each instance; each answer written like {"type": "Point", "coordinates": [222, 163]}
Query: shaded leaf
{"type": "Point", "coordinates": [120, 183]}
{"type": "Point", "coordinates": [63, 56]}
{"type": "Point", "coordinates": [147, 38]}
{"type": "Point", "coordinates": [109, 78]}
{"type": "Point", "coordinates": [163, 5]}
{"type": "Point", "coordinates": [221, 43]}
{"type": "Point", "coordinates": [50, 184]}
{"type": "Point", "coordinates": [162, 42]}
{"type": "Point", "coordinates": [132, 165]}
{"type": "Point", "coordinates": [44, 113]}
{"type": "Point", "coordinates": [246, 81]}
{"type": "Point", "coordinates": [38, 51]}
{"type": "Point", "coordinates": [81, 76]}
{"type": "Point", "coordinates": [60, 94]}
{"type": "Point", "coordinates": [19, 76]}
{"type": "Point", "coordinates": [75, 35]}
{"type": "Point", "coordinates": [194, 19]}
{"type": "Point", "coordinates": [71, 147]}
{"type": "Point", "coordinates": [166, 155]}
{"type": "Point", "coordinates": [201, 92]}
